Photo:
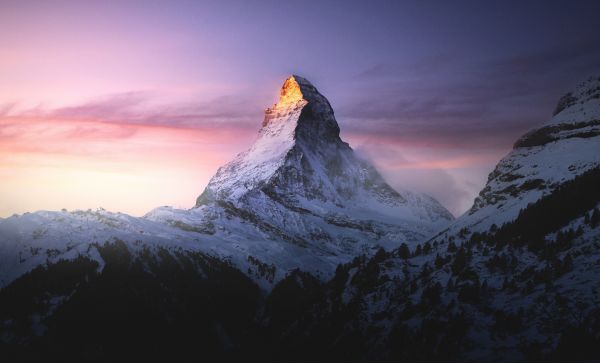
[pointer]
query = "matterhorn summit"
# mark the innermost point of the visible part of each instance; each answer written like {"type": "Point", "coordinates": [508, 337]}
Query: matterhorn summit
{"type": "Point", "coordinates": [301, 180]}
{"type": "Point", "coordinates": [300, 162]}
{"type": "Point", "coordinates": [298, 198]}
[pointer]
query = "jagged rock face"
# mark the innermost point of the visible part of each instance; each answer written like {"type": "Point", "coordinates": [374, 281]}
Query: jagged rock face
{"type": "Point", "coordinates": [301, 179]}
{"type": "Point", "coordinates": [559, 150]}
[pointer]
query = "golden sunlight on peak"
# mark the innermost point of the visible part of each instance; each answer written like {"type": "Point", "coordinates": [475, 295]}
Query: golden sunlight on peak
{"type": "Point", "coordinates": [290, 97]}
{"type": "Point", "coordinates": [290, 92]}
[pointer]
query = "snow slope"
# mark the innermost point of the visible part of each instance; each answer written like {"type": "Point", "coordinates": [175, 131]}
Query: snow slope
{"type": "Point", "coordinates": [562, 148]}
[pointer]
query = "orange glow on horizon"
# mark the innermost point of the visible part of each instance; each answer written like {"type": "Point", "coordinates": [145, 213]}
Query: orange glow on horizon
{"type": "Point", "coordinates": [53, 164]}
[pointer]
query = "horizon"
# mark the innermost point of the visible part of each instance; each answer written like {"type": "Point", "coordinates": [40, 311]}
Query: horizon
{"type": "Point", "coordinates": [130, 107]}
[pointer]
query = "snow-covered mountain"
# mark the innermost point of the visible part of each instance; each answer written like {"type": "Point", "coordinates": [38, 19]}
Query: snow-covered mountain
{"type": "Point", "coordinates": [301, 182]}
{"type": "Point", "coordinates": [564, 147]}
{"type": "Point", "coordinates": [298, 198]}
{"type": "Point", "coordinates": [300, 163]}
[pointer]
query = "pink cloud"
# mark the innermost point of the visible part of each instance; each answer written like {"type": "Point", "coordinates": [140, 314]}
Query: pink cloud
{"type": "Point", "coordinates": [52, 163]}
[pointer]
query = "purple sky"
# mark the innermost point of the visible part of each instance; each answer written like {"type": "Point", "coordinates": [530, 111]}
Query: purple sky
{"type": "Point", "coordinates": [433, 92]}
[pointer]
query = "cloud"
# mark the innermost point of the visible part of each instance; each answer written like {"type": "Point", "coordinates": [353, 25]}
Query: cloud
{"type": "Point", "coordinates": [419, 174]}
{"type": "Point", "coordinates": [57, 136]}
{"type": "Point", "coordinates": [145, 108]}
{"type": "Point", "coordinates": [96, 132]}
{"type": "Point", "coordinates": [117, 106]}
{"type": "Point", "coordinates": [131, 125]}
{"type": "Point", "coordinates": [6, 108]}
{"type": "Point", "coordinates": [437, 183]}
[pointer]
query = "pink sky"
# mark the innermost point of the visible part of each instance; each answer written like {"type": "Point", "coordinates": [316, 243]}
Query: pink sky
{"type": "Point", "coordinates": [48, 163]}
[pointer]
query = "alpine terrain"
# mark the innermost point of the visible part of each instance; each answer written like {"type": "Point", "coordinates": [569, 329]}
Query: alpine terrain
{"type": "Point", "coordinates": [298, 198]}
{"type": "Point", "coordinates": [299, 251]}
{"type": "Point", "coordinates": [514, 279]}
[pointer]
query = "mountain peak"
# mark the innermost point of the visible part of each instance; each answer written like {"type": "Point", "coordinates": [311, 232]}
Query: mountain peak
{"type": "Point", "coordinates": [291, 91]}
{"type": "Point", "coordinates": [304, 111]}
{"type": "Point", "coordinates": [299, 163]}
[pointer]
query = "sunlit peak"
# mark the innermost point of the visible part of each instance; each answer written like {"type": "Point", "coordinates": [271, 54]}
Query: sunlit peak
{"type": "Point", "coordinates": [290, 93]}
{"type": "Point", "coordinates": [290, 97]}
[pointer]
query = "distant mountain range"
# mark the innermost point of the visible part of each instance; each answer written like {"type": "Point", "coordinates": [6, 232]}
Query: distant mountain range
{"type": "Point", "coordinates": [299, 251]}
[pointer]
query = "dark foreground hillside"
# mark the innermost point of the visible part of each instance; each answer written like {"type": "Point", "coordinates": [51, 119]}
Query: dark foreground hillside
{"type": "Point", "coordinates": [442, 302]}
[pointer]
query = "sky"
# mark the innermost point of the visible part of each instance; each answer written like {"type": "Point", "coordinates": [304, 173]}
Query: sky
{"type": "Point", "coordinates": [130, 105]}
